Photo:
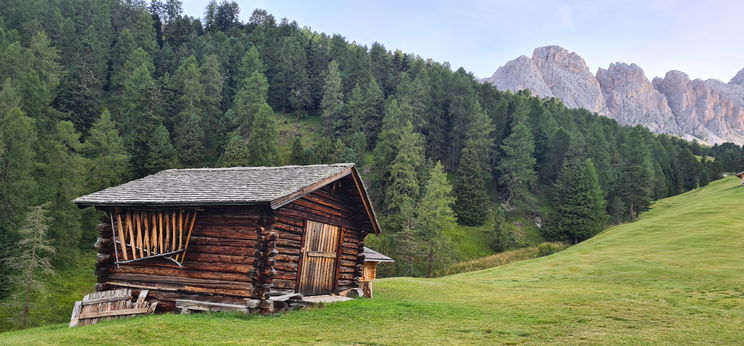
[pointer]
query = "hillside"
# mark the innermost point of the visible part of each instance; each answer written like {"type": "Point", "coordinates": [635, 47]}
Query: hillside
{"type": "Point", "coordinates": [673, 276]}
{"type": "Point", "coordinates": [708, 110]}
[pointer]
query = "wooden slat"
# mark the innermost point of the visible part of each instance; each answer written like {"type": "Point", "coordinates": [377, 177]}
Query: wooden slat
{"type": "Point", "coordinates": [173, 230]}
{"type": "Point", "coordinates": [188, 237]}
{"type": "Point", "coordinates": [120, 228]}
{"type": "Point", "coordinates": [130, 228]}
{"type": "Point", "coordinates": [180, 229]}
{"type": "Point", "coordinates": [167, 231]}
{"type": "Point", "coordinates": [121, 312]}
{"type": "Point", "coordinates": [145, 232]}
{"type": "Point", "coordinates": [160, 232]}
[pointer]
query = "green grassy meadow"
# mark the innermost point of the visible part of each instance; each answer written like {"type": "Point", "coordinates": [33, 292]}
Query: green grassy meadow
{"type": "Point", "coordinates": [675, 276]}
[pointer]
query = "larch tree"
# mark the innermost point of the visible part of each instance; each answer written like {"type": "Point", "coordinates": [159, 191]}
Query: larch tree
{"type": "Point", "coordinates": [356, 110]}
{"type": "Point", "coordinates": [235, 154]}
{"type": "Point", "coordinates": [434, 216]}
{"type": "Point", "coordinates": [252, 92]}
{"type": "Point", "coordinates": [32, 260]}
{"type": "Point", "coordinates": [404, 188]}
{"type": "Point", "coordinates": [109, 158]}
{"type": "Point", "coordinates": [332, 103]}
{"type": "Point", "coordinates": [161, 154]}
{"type": "Point", "coordinates": [516, 168]}
{"type": "Point", "coordinates": [262, 146]}
{"type": "Point", "coordinates": [375, 110]}
{"type": "Point", "coordinates": [292, 82]}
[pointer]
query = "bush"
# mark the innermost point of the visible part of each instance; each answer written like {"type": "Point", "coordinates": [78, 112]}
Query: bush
{"type": "Point", "coordinates": [545, 249]}
{"type": "Point", "coordinates": [503, 258]}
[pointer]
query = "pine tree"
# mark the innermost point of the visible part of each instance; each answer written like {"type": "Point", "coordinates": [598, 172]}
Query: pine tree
{"type": "Point", "coordinates": [17, 184]}
{"type": "Point", "coordinates": [161, 154]}
{"type": "Point", "coordinates": [61, 176]}
{"type": "Point", "coordinates": [248, 101]}
{"type": "Point", "coordinates": [213, 120]}
{"type": "Point", "coordinates": [298, 156]}
{"type": "Point", "coordinates": [433, 216]}
{"type": "Point", "coordinates": [554, 156]}
{"type": "Point", "coordinates": [516, 167]}
{"type": "Point", "coordinates": [190, 138]}
{"type": "Point", "coordinates": [109, 158]}
{"type": "Point", "coordinates": [32, 260]}
{"type": "Point", "coordinates": [332, 103]}
{"type": "Point", "coordinates": [249, 64]}
{"type": "Point", "coordinates": [471, 187]}
{"type": "Point", "coordinates": [635, 182]}
{"type": "Point", "coordinates": [262, 147]}
{"type": "Point", "coordinates": [385, 150]}
{"type": "Point", "coordinates": [375, 110]}
{"type": "Point", "coordinates": [356, 110]}
{"type": "Point", "coordinates": [403, 188]}
{"type": "Point", "coordinates": [660, 182]}
{"type": "Point", "coordinates": [358, 148]}
{"type": "Point", "coordinates": [688, 169]}
{"type": "Point", "coordinates": [18, 137]}
{"type": "Point", "coordinates": [578, 201]}
{"type": "Point", "coordinates": [235, 154]}
{"type": "Point", "coordinates": [292, 81]}
{"type": "Point", "coordinates": [81, 91]}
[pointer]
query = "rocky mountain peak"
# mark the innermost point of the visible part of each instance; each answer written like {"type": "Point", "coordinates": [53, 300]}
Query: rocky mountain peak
{"type": "Point", "coordinates": [550, 56]}
{"type": "Point", "coordinates": [709, 110]}
{"type": "Point", "coordinates": [738, 79]}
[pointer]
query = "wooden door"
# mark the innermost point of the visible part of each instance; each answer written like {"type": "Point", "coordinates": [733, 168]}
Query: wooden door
{"type": "Point", "coordinates": [318, 271]}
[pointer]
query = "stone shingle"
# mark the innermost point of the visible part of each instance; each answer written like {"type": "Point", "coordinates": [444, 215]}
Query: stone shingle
{"type": "Point", "coordinates": [215, 186]}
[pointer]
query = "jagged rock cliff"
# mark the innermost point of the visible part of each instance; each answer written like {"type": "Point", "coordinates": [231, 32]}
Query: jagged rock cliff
{"type": "Point", "coordinates": [709, 110]}
{"type": "Point", "coordinates": [632, 99]}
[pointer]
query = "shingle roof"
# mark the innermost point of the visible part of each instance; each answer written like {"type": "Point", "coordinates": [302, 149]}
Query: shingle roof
{"type": "Point", "coordinates": [374, 256]}
{"type": "Point", "coordinates": [216, 186]}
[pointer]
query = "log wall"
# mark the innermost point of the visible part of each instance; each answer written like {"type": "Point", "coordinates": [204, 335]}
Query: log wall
{"type": "Point", "coordinates": [218, 260]}
{"type": "Point", "coordinates": [334, 204]}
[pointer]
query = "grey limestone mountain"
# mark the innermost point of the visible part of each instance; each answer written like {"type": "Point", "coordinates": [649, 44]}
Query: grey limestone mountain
{"type": "Point", "coordinates": [708, 110]}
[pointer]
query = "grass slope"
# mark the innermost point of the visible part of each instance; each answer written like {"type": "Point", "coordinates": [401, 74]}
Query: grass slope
{"type": "Point", "coordinates": [674, 276]}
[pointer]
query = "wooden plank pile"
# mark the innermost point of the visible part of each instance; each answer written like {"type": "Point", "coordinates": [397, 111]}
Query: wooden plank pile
{"type": "Point", "coordinates": [107, 305]}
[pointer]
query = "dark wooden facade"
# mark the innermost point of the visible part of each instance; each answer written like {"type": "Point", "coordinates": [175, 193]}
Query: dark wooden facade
{"type": "Point", "coordinates": [251, 251]}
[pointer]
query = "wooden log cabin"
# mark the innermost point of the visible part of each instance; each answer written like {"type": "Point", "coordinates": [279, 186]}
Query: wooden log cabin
{"type": "Point", "coordinates": [227, 234]}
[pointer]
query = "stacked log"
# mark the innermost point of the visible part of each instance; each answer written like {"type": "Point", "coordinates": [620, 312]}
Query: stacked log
{"type": "Point", "coordinates": [359, 267]}
{"type": "Point", "coordinates": [105, 251]}
{"type": "Point", "coordinates": [263, 273]}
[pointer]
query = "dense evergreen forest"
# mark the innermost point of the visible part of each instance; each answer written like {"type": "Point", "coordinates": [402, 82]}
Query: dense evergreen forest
{"type": "Point", "coordinates": [95, 93]}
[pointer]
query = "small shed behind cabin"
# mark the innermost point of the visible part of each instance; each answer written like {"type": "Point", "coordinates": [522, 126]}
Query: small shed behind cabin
{"type": "Point", "coordinates": [371, 259]}
{"type": "Point", "coordinates": [230, 234]}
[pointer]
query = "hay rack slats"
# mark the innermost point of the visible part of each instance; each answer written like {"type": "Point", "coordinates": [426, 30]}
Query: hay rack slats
{"type": "Point", "coordinates": [146, 234]}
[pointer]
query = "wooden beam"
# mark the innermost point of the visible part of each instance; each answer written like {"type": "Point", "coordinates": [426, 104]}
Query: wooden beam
{"type": "Point", "coordinates": [188, 237]}
{"type": "Point", "coordinates": [120, 228]}
{"type": "Point", "coordinates": [135, 311]}
{"type": "Point", "coordinates": [160, 230]}
{"type": "Point", "coordinates": [130, 228]}
{"type": "Point", "coordinates": [145, 232]}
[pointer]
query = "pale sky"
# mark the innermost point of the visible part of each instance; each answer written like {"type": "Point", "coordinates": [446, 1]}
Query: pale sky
{"type": "Point", "coordinates": [702, 38]}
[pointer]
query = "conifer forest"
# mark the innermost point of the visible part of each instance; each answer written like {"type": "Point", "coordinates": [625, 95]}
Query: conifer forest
{"type": "Point", "coordinates": [97, 93]}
